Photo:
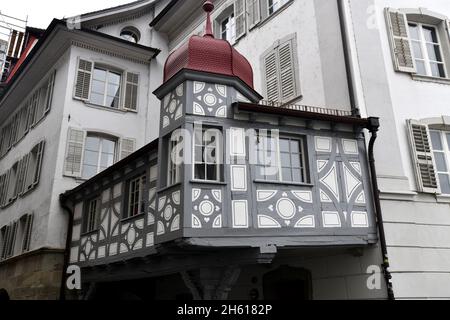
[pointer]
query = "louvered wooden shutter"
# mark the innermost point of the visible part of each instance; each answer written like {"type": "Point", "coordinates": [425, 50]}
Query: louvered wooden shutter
{"type": "Point", "coordinates": [2, 185]}
{"type": "Point", "coordinates": [5, 241]}
{"type": "Point", "coordinates": [127, 146]}
{"type": "Point", "coordinates": [131, 91]}
{"type": "Point", "coordinates": [287, 71]}
{"type": "Point", "coordinates": [4, 195]}
{"type": "Point", "coordinates": [39, 160]}
{"type": "Point", "coordinates": [254, 13]}
{"type": "Point", "coordinates": [83, 81]}
{"type": "Point", "coordinates": [22, 170]}
{"type": "Point", "coordinates": [271, 73]}
{"type": "Point", "coordinates": [74, 152]}
{"type": "Point", "coordinates": [239, 15]}
{"type": "Point", "coordinates": [399, 40]}
{"type": "Point", "coordinates": [49, 96]}
{"type": "Point", "coordinates": [448, 28]}
{"type": "Point", "coordinates": [423, 157]}
{"type": "Point", "coordinates": [27, 233]}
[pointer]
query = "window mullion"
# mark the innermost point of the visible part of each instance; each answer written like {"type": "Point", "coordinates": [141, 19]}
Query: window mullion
{"type": "Point", "coordinates": [423, 44]}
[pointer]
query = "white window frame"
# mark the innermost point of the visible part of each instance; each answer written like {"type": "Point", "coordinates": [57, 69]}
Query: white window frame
{"type": "Point", "coordinates": [219, 155]}
{"type": "Point", "coordinates": [101, 137]}
{"type": "Point", "coordinates": [174, 169]}
{"type": "Point", "coordinates": [280, 3]}
{"type": "Point", "coordinates": [445, 152]}
{"type": "Point", "coordinates": [108, 71]}
{"type": "Point", "coordinates": [423, 46]}
{"type": "Point", "coordinates": [278, 165]}
{"type": "Point", "coordinates": [141, 180]}
{"type": "Point", "coordinates": [92, 215]}
{"type": "Point", "coordinates": [232, 28]}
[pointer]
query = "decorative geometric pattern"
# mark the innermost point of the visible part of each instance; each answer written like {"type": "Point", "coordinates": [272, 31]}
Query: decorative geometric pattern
{"type": "Point", "coordinates": [132, 236]}
{"type": "Point", "coordinates": [285, 209]}
{"type": "Point", "coordinates": [207, 209]}
{"type": "Point", "coordinates": [172, 108]}
{"type": "Point", "coordinates": [169, 212]}
{"type": "Point", "coordinates": [88, 247]}
{"type": "Point", "coordinates": [341, 184]}
{"type": "Point", "coordinates": [210, 100]}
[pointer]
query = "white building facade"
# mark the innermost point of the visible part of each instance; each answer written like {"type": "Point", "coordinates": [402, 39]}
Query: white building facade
{"type": "Point", "coordinates": [401, 52]}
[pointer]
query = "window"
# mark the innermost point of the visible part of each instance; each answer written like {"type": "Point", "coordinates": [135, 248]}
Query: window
{"type": "Point", "coordinates": [175, 160]}
{"type": "Point", "coordinates": [427, 50]}
{"type": "Point", "coordinates": [34, 165]}
{"type": "Point", "coordinates": [25, 230]}
{"type": "Point", "coordinates": [281, 159]}
{"type": "Point", "coordinates": [99, 154]}
{"type": "Point", "coordinates": [275, 5]}
{"type": "Point", "coordinates": [136, 189]}
{"type": "Point", "coordinates": [88, 153]}
{"type": "Point", "coordinates": [92, 215]}
{"type": "Point", "coordinates": [280, 72]}
{"type": "Point", "coordinates": [130, 34]}
{"type": "Point", "coordinates": [105, 89]}
{"type": "Point", "coordinates": [103, 86]}
{"type": "Point", "coordinates": [228, 29]}
{"type": "Point", "coordinates": [8, 237]}
{"type": "Point", "coordinates": [208, 154]}
{"type": "Point", "coordinates": [440, 141]}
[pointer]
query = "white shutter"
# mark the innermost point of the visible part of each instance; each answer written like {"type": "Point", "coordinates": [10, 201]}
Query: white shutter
{"type": "Point", "coordinates": [254, 13]}
{"type": "Point", "coordinates": [127, 146]}
{"type": "Point", "coordinates": [287, 72]}
{"type": "Point", "coordinates": [74, 152]}
{"type": "Point", "coordinates": [422, 157]}
{"type": "Point", "coordinates": [27, 233]}
{"type": "Point", "coordinates": [239, 15]}
{"type": "Point", "coordinates": [83, 79]}
{"type": "Point", "coordinates": [5, 242]}
{"type": "Point", "coordinates": [39, 158]}
{"type": "Point", "coordinates": [131, 91]}
{"type": "Point", "coordinates": [49, 96]}
{"type": "Point", "coordinates": [4, 194]}
{"type": "Point", "coordinates": [400, 41]}
{"type": "Point", "coordinates": [271, 76]}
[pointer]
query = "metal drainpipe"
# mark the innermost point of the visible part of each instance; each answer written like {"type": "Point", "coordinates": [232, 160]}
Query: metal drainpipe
{"type": "Point", "coordinates": [374, 125]}
{"type": "Point", "coordinates": [62, 292]}
{"type": "Point", "coordinates": [349, 71]}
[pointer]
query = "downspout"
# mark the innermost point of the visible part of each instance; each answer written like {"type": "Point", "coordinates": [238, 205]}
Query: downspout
{"type": "Point", "coordinates": [374, 125]}
{"type": "Point", "coordinates": [62, 292]}
{"type": "Point", "coordinates": [347, 57]}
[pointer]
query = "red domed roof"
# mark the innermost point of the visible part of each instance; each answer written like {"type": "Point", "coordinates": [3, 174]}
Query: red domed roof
{"type": "Point", "coordinates": [208, 54]}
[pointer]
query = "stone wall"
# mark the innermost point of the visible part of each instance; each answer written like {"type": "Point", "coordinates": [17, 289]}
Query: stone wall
{"type": "Point", "coordinates": [34, 276]}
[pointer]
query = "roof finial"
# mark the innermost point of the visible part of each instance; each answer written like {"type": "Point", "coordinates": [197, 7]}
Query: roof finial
{"type": "Point", "coordinates": [208, 6]}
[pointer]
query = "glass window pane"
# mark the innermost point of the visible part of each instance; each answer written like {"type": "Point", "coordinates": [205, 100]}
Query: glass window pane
{"type": "Point", "coordinates": [295, 146]}
{"type": "Point", "coordinates": [98, 86]}
{"type": "Point", "coordinates": [285, 160]}
{"type": "Point", "coordinates": [113, 90]}
{"type": "Point", "coordinates": [421, 67]}
{"type": "Point", "coordinates": [92, 143]}
{"type": "Point", "coordinates": [436, 140]}
{"type": "Point", "coordinates": [286, 174]}
{"type": "Point", "coordinates": [107, 160]}
{"type": "Point", "coordinates": [259, 173]}
{"type": "Point", "coordinates": [97, 98]}
{"type": "Point", "coordinates": [434, 53]}
{"type": "Point", "coordinates": [89, 171]}
{"type": "Point", "coordinates": [99, 74]}
{"type": "Point", "coordinates": [448, 140]}
{"type": "Point", "coordinates": [445, 183]}
{"type": "Point", "coordinates": [284, 145]}
{"type": "Point", "coordinates": [211, 172]}
{"type": "Point", "coordinates": [114, 78]}
{"type": "Point", "coordinates": [200, 171]}
{"type": "Point", "coordinates": [272, 174]}
{"type": "Point", "coordinates": [440, 161]}
{"type": "Point", "coordinates": [430, 34]}
{"type": "Point", "coordinates": [91, 157]}
{"type": "Point", "coordinates": [108, 146]}
{"type": "Point", "coordinates": [199, 154]}
{"type": "Point", "coordinates": [414, 32]}
{"type": "Point", "coordinates": [417, 50]}
{"type": "Point", "coordinates": [295, 161]}
{"type": "Point", "coordinates": [297, 175]}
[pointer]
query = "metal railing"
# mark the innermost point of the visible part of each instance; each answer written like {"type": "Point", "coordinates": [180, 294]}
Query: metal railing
{"type": "Point", "coordinates": [304, 108]}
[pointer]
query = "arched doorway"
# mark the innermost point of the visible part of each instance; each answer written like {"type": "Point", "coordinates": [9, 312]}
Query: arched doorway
{"type": "Point", "coordinates": [287, 283]}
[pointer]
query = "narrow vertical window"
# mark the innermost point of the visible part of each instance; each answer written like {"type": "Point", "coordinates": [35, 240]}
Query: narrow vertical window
{"type": "Point", "coordinates": [136, 189]}
{"type": "Point", "coordinates": [440, 141]}
{"type": "Point", "coordinates": [92, 216]}
{"type": "Point", "coordinates": [208, 154]}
